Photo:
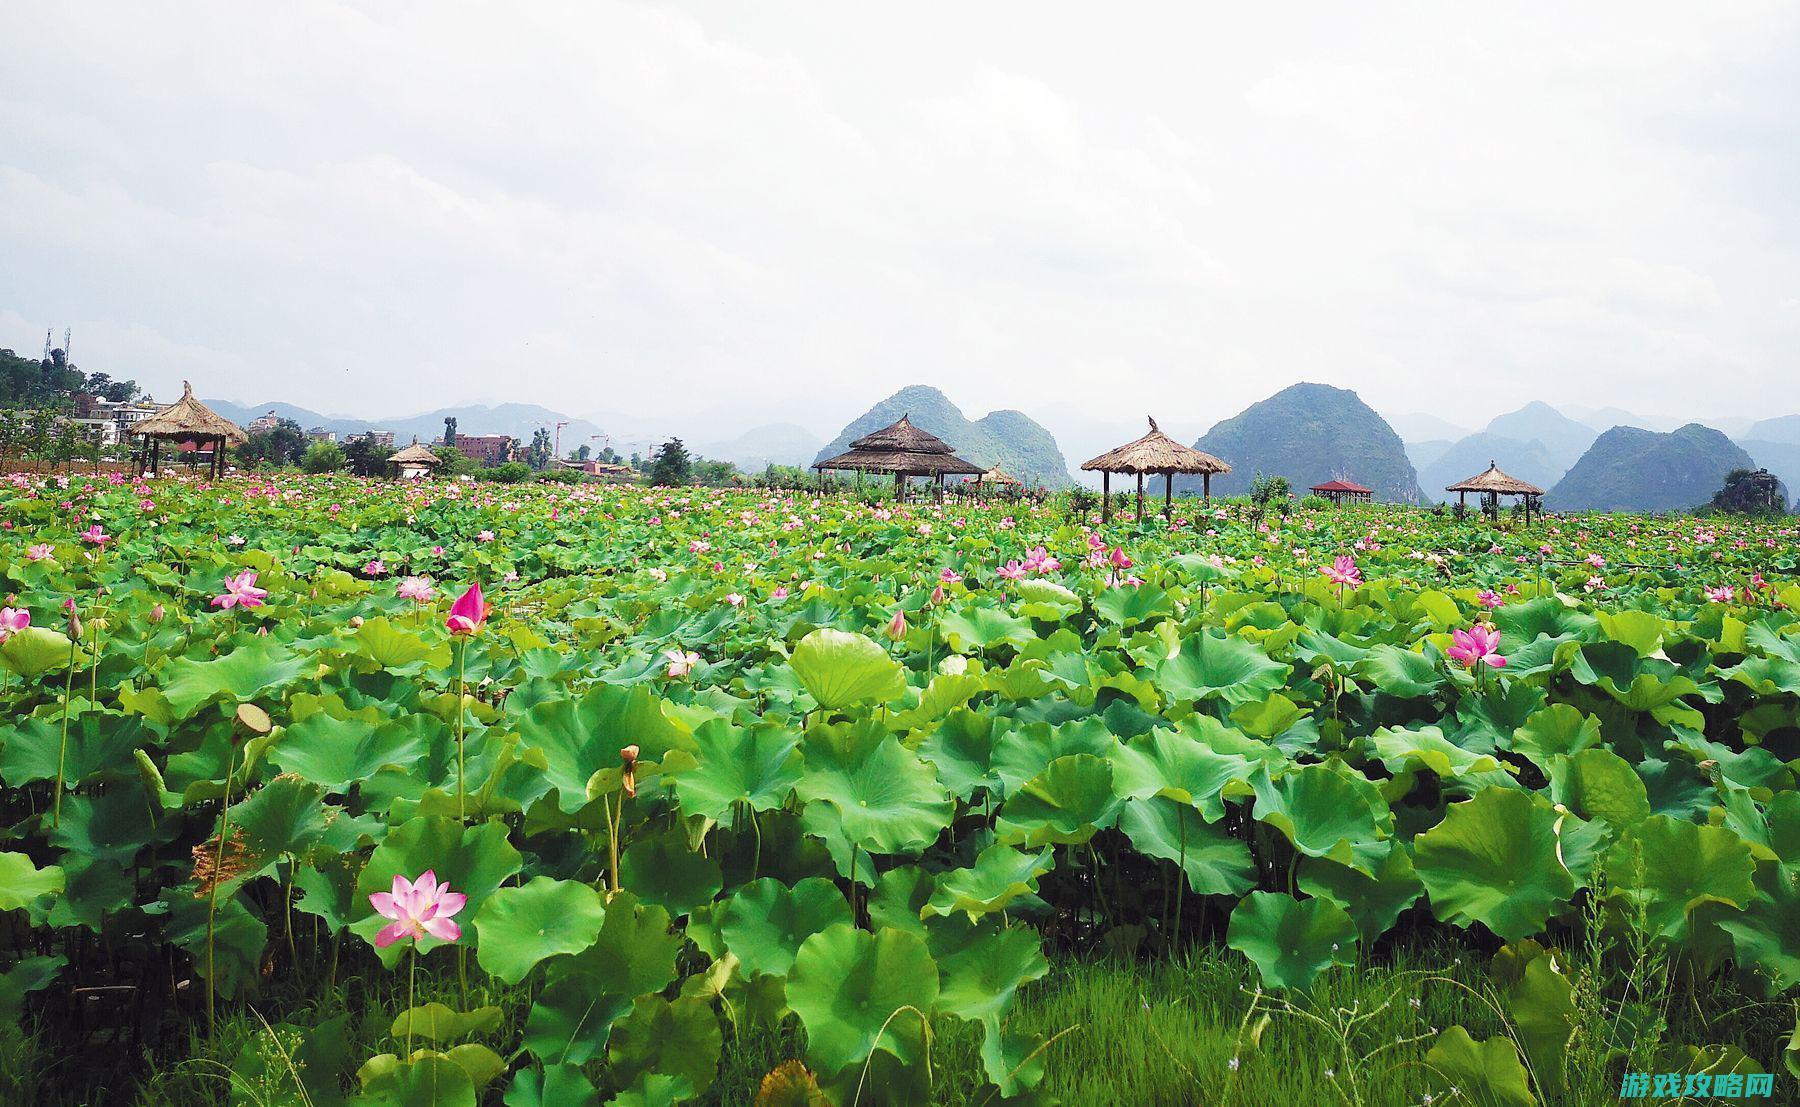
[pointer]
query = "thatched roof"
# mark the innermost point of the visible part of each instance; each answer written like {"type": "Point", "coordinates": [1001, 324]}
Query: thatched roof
{"type": "Point", "coordinates": [189, 418]}
{"type": "Point", "coordinates": [416, 454]}
{"type": "Point", "coordinates": [1156, 452]}
{"type": "Point", "coordinates": [1341, 485]}
{"type": "Point", "coordinates": [901, 448]}
{"type": "Point", "coordinates": [900, 461]}
{"type": "Point", "coordinates": [997, 475]}
{"type": "Point", "coordinates": [905, 437]}
{"type": "Point", "coordinates": [1493, 480]}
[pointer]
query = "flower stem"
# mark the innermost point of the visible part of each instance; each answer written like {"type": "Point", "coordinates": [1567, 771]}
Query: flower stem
{"type": "Point", "coordinates": [62, 750]}
{"type": "Point", "coordinates": [462, 650]}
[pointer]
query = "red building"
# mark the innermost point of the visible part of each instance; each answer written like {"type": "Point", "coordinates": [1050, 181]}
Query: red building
{"type": "Point", "coordinates": [489, 449]}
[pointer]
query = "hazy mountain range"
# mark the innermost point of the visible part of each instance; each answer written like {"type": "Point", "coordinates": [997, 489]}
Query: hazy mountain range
{"type": "Point", "coordinates": [1307, 433]}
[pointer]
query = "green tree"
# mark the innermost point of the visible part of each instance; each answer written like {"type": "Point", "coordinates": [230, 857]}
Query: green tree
{"type": "Point", "coordinates": [671, 464]}
{"type": "Point", "coordinates": [323, 457]}
{"type": "Point", "coordinates": [537, 455]}
{"type": "Point", "coordinates": [366, 458]}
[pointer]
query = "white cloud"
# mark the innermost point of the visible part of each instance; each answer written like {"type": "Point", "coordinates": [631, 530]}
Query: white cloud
{"type": "Point", "coordinates": [731, 213]}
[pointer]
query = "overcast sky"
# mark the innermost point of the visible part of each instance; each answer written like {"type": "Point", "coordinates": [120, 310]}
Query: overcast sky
{"type": "Point", "coordinates": [750, 211]}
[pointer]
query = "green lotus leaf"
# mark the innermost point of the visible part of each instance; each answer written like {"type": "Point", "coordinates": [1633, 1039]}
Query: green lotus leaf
{"type": "Point", "coordinates": [1214, 862]}
{"type": "Point", "coordinates": [1426, 748]}
{"type": "Point", "coordinates": [337, 753]}
{"type": "Point", "coordinates": [474, 860]}
{"type": "Point", "coordinates": [226, 947]}
{"type": "Point", "coordinates": [437, 1022]}
{"type": "Point", "coordinates": [396, 648]}
{"type": "Point", "coordinates": [857, 993]}
{"type": "Point", "coordinates": [1559, 729]}
{"type": "Point", "coordinates": [1494, 860]}
{"type": "Point", "coordinates": [100, 744]}
{"type": "Point", "coordinates": [555, 1086]}
{"type": "Point", "coordinates": [1599, 784]}
{"type": "Point", "coordinates": [1172, 765]}
{"type": "Point", "coordinates": [1487, 1073]}
{"type": "Point", "coordinates": [1540, 999]}
{"type": "Point", "coordinates": [1024, 752]}
{"type": "Point", "coordinates": [1000, 875]}
{"type": "Point", "coordinates": [765, 921]}
{"type": "Point", "coordinates": [430, 1079]}
{"type": "Point", "coordinates": [1399, 672]}
{"type": "Point", "coordinates": [520, 926]}
{"type": "Point", "coordinates": [1128, 606]}
{"type": "Point", "coordinates": [589, 991]}
{"type": "Point", "coordinates": [756, 766]}
{"type": "Point", "coordinates": [1766, 934]}
{"type": "Point", "coordinates": [1641, 630]}
{"type": "Point", "coordinates": [980, 979]}
{"type": "Point", "coordinates": [1291, 941]}
{"type": "Point", "coordinates": [1375, 898]}
{"type": "Point", "coordinates": [582, 737]}
{"type": "Point", "coordinates": [983, 628]}
{"type": "Point", "coordinates": [1664, 868]}
{"type": "Point", "coordinates": [678, 1038]}
{"type": "Point", "coordinates": [1014, 1061]}
{"type": "Point", "coordinates": [841, 669]}
{"type": "Point", "coordinates": [962, 751]}
{"type": "Point", "coordinates": [1324, 812]}
{"type": "Point", "coordinates": [284, 816]}
{"type": "Point", "coordinates": [1268, 718]}
{"type": "Point", "coordinates": [1045, 599]}
{"type": "Point", "coordinates": [1068, 803]}
{"type": "Point", "coordinates": [22, 883]}
{"type": "Point", "coordinates": [246, 673]}
{"type": "Point", "coordinates": [663, 869]}
{"type": "Point", "coordinates": [898, 897]}
{"type": "Point", "coordinates": [1227, 668]}
{"type": "Point", "coordinates": [1766, 676]}
{"type": "Point", "coordinates": [34, 651]}
{"type": "Point", "coordinates": [654, 1089]}
{"type": "Point", "coordinates": [886, 798]}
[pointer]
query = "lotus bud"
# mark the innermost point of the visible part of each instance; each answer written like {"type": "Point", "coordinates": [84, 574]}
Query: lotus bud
{"type": "Point", "coordinates": [896, 628]}
{"type": "Point", "coordinates": [356, 620]}
{"type": "Point", "coordinates": [628, 759]}
{"type": "Point", "coordinates": [157, 613]}
{"type": "Point", "coordinates": [937, 595]}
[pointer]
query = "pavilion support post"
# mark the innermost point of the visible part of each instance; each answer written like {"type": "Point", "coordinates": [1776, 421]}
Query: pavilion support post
{"type": "Point", "coordinates": [1140, 496]}
{"type": "Point", "coordinates": [1168, 492]}
{"type": "Point", "coordinates": [1105, 497]}
{"type": "Point", "coordinates": [899, 486]}
{"type": "Point", "coordinates": [1206, 486]}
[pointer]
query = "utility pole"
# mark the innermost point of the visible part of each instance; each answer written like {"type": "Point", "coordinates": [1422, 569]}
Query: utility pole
{"type": "Point", "coordinates": [557, 448]}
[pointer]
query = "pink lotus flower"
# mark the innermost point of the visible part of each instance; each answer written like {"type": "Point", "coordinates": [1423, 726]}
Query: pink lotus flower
{"type": "Point", "coordinates": [1343, 572]}
{"type": "Point", "coordinates": [1479, 645]}
{"type": "Point", "coordinates": [1119, 558]}
{"type": "Point", "coordinates": [241, 591]}
{"type": "Point", "coordinates": [12, 621]}
{"type": "Point", "coordinates": [949, 576]}
{"type": "Point", "coordinates": [780, 593]}
{"type": "Point", "coordinates": [734, 599]}
{"type": "Point", "coordinates": [375, 568]}
{"type": "Point", "coordinates": [1725, 593]}
{"type": "Point", "coordinates": [417, 589]}
{"type": "Point", "coordinates": [1040, 560]}
{"type": "Point", "coordinates": [485, 536]}
{"type": "Point", "coordinates": [681, 662]}
{"type": "Point", "coordinates": [1489, 599]}
{"type": "Point", "coordinates": [1012, 570]}
{"type": "Point", "coordinates": [96, 535]}
{"type": "Point", "coordinates": [468, 612]}
{"type": "Point", "coordinates": [42, 551]}
{"type": "Point", "coordinates": [420, 908]}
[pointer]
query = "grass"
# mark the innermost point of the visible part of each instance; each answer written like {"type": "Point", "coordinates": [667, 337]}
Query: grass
{"type": "Point", "coordinates": [1126, 1032]}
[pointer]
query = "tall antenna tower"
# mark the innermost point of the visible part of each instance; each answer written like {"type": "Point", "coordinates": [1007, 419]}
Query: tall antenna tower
{"type": "Point", "coordinates": [68, 333]}
{"type": "Point", "coordinates": [47, 343]}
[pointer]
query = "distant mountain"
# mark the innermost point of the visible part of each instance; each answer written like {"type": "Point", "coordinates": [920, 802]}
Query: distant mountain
{"type": "Point", "coordinates": [518, 420]}
{"type": "Point", "coordinates": [1007, 438]}
{"type": "Point", "coordinates": [1564, 439]}
{"type": "Point", "coordinates": [1422, 426]}
{"type": "Point", "coordinates": [1422, 454]}
{"type": "Point", "coordinates": [1785, 428]}
{"type": "Point", "coordinates": [1606, 418]}
{"type": "Point", "coordinates": [1780, 458]}
{"type": "Point", "coordinates": [1529, 461]}
{"type": "Point", "coordinates": [1631, 469]}
{"type": "Point", "coordinates": [760, 447]}
{"type": "Point", "coordinates": [1310, 433]}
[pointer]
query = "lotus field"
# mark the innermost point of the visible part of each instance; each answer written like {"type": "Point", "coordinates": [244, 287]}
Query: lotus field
{"type": "Point", "coordinates": [650, 768]}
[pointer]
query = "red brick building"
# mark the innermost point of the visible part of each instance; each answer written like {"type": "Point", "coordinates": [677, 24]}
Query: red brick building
{"type": "Point", "coordinates": [489, 449]}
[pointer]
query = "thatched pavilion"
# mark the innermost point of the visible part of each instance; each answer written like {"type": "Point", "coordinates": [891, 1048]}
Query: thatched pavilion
{"type": "Point", "coordinates": [997, 480]}
{"type": "Point", "coordinates": [1493, 484]}
{"type": "Point", "coordinates": [905, 451]}
{"type": "Point", "coordinates": [1156, 452]}
{"type": "Point", "coordinates": [187, 420]}
{"type": "Point", "coordinates": [415, 462]}
{"type": "Point", "coordinates": [1339, 490]}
